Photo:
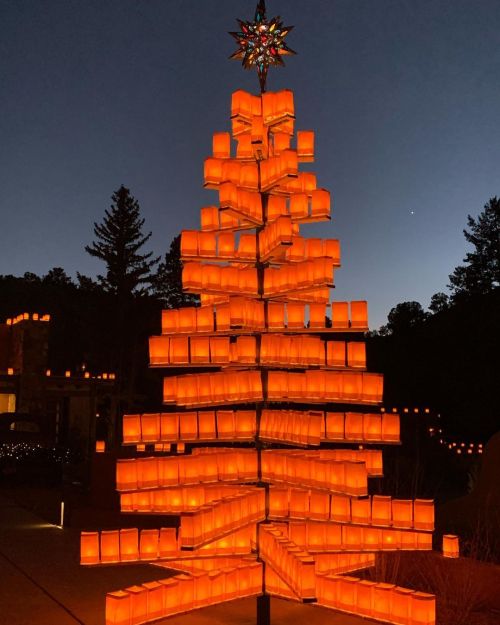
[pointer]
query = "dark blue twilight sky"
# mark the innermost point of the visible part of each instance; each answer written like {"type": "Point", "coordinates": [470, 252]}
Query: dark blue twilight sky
{"type": "Point", "coordinates": [404, 96]}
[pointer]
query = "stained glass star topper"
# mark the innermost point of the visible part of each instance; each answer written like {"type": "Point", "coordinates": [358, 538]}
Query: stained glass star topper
{"type": "Point", "coordinates": [261, 43]}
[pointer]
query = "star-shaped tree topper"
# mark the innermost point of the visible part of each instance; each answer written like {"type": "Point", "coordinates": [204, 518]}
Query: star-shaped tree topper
{"type": "Point", "coordinates": [261, 43]}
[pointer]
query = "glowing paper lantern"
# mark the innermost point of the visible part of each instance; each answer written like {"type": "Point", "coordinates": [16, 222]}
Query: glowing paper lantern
{"type": "Point", "coordinates": [340, 508]}
{"type": "Point", "coordinates": [382, 601]}
{"type": "Point", "coordinates": [179, 350]}
{"type": "Point", "coordinates": [126, 475]}
{"type": "Point", "coordinates": [451, 546]}
{"type": "Point", "coordinates": [129, 544]}
{"type": "Point", "coordinates": [155, 599]}
{"type": "Point", "coordinates": [89, 548]}
{"type": "Point", "coordinates": [131, 428]}
{"type": "Point", "coordinates": [361, 511]}
{"type": "Point", "coordinates": [401, 605]}
{"type": "Point", "coordinates": [336, 354]}
{"type": "Point", "coordinates": [381, 510]}
{"type": "Point", "coordinates": [245, 105]}
{"type": "Point", "coordinates": [317, 315]}
{"type": "Point", "coordinates": [118, 608]}
{"type": "Point", "coordinates": [221, 144]}
{"type": "Point", "coordinates": [244, 149]}
{"type": "Point", "coordinates": [206, 425]}
{"type": "Point", "coordinates": [359, 315]}
{"type": "Point", "coordinates": [206, 246]}
{"type": "Point", "coordinates": [354, 426]}
{"type": "Point", "coordinates": [356, 355]}
{"type": "Point", "coordinates": [305, 145]}
{"type": "Point", "coordinates": [244, 424]}
{"type": "Point", "coordinates": [372, 427]}
{"type": "Point", "coordinates": [390, 427]}
{"type": "Point", "coordinates": [423, 514]}
{"type": "Point", "coordinates": [188, 426]}
{"type": "Point", "coordinates": [320, 203]}
{"type": "Point", "coordinates": [364, 597]}
{"type": "Point", "coordinates": [150, 427]}
{"type": "Point", "coordinates": [319, 506]}
{"type": "Point", "coordinates": [335, 426]}
{"type": "Point", "coordinates": [340, 315]}
{"type": "Point", "coordinates": [138, 604]}
{"type": "Point", "coordinates": [169, 426]}
{"type": "Point", "coordinates": [422, 609]}
{"type": "Point", "coordinates": [110, 546]}
{"type": "Point", "coordinates": [402, 513]}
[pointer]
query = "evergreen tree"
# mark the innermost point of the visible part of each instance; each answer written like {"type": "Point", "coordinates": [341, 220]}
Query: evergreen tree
{"type": "Point", "coordinates": [57, 277]}
{"type": "Point", "coordinates": [167, 282]}
{"type": "Point", "coordinates": [119, 239]}
{"type": "Point", "coordinates": [403, 317]}
{"type": "Point", "coordinates": [481, 273]}
{"type": "Point", "coordinates": [87, 285]}
{"type": "Point", "coordinates": [439, 302]}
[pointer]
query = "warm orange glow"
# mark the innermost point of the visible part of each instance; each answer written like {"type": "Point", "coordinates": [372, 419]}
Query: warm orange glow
{"type": "Point", "coordinates": [320, 204]}
{"type": "Point", "coordinates": [423, 514]}
{"type": "Point", "coordinates": [356, 355]}
{"type": "Point", "coordinates": [381, 510]}
{"type": "Point", "coordinates": [451, 546]}
{"type": "Point", "coordinates": [118, 608]}
{"type": "Point", "coordinates": [305, 145]}
{"type": "Point", "coordinates": [110, 546]}
{"type": "Point", "coordinates": [390, 427]}
{"type": "Point", "coordinates": [89, 548]}
{"type": "Point", "coordinates": [422, 609]}
{"type": "Point", "coordinates": [402, 513]}
{"type": "Point", "coordinates": [317, 386]}
{"type": "Point", "coordinates": [129, 544]}
{"type": "Point", "coordinates": [188, 426]}
{"type": "Point", "coordinates": [190, 390]}
{"type": "Point", "coordinates": [259, 344]}
{"type": "Point", "coordinates": [221, 144]}
{"type": "Point", "coordinates": [340, 315]}
{"type": "Point", "coordinates": [401, 605]}
{"type": "Point", "coordinates": [359, 315]}
{"type": "Point", "coordinates": [336, 354]}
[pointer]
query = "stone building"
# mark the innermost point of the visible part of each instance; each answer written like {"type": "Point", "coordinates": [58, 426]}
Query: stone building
{"type": "Point", "coordinates": [64, 408]}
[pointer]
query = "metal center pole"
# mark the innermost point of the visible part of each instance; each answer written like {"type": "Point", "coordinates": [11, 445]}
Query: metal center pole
{"type": "Point", "coordinates": [264, 600]}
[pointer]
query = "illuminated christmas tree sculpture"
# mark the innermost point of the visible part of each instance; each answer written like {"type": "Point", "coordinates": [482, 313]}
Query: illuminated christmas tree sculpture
{"type": "Point", "coordinates": [278, 413]}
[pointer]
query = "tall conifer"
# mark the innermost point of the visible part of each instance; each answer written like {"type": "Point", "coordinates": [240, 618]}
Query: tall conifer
{"type": "Point", "coordinates": [119, 239]}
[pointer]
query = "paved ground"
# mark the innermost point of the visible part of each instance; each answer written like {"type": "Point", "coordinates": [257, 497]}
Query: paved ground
{"type": "Point", "coordinates": [42, 583]}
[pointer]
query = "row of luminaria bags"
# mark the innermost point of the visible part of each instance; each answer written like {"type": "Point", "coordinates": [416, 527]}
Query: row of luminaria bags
{"type": "Point", "coordinates": [185, 592]}
{"type": "Point", "coordinates": [164, 544]}
{"type": "Point", "coordinates": [294, 426]}
{"type": "Point", "coordinates": [313, 386]}
{"type": "Point", "coordinates": [240, 208]}
{"type": "Point", "coordinates": [308, 274]}
{"type": "Point", "coordinates": [296, 350]}
{"type": "Point", "coordinates": [280, 172]}
{"type": "Point", "coordinates": [292, 503]}
{"type": "Point", "coordinates": [226, 246]}
{"type": "Point", "coordinates": [199, 527]}
{"type": "Point", "coordinates": [339, 474]}
{"type": "Point", "coordinates": [306, 204]}
{"type": "Point", "coordinates": [181, 593]}
{"type": "Point", "coordinates": [246, 314]}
